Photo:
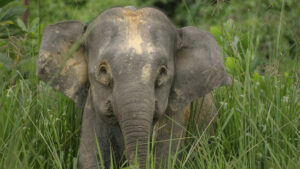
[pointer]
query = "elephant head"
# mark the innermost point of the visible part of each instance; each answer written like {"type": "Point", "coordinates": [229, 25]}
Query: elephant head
{"type": "Point", "coordinates": [133, 66]}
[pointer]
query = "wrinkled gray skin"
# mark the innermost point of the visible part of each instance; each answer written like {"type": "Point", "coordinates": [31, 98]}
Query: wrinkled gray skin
{"type": "Point", "coordinates": [132, 70]}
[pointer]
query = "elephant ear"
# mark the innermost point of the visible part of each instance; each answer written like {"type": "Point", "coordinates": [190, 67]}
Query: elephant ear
{"type": "Point", "coordinates": [199, 67]}
{"type": "Point", "coordinates": [61, 61]}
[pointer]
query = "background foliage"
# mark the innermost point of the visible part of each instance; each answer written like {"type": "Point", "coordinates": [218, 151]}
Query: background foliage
{"type": "Point", "coordinates": [257, 125]}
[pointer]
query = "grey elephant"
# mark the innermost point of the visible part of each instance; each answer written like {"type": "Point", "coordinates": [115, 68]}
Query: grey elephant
{"type": "Point", "coordinates": [130, 70]}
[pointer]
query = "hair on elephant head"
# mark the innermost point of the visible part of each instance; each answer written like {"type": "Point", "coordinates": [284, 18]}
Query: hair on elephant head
{"type": "Point", "coordinates": [128, 69]}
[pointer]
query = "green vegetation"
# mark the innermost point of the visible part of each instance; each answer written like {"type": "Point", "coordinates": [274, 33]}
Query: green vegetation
{"type": "Point", "coordinates": [258, 120]}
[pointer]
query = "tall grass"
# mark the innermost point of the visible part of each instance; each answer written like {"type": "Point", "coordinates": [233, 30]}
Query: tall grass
{"type": "Point", "coordinates": [38, 127]}
{"type": "Point", "coordinates": [257, 124]}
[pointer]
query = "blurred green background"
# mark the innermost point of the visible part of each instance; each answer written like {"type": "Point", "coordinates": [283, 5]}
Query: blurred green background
{"type": "Point", "coordinates": [258, 120]}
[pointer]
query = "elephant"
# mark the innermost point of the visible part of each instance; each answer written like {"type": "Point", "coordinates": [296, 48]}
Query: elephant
{"type": "Point", "coordinates": [131, 70]}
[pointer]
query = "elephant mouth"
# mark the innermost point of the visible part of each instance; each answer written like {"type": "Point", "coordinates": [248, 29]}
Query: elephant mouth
{"type": "Point", "coordinates": [157, 114]}
{"type": "Point", "coordinates": [109, 114]}
{"type": "Point", "coordinates": [155, 119]}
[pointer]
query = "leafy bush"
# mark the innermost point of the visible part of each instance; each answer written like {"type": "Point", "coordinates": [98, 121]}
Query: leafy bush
{"type": "Point", "coordinates": [17, 43]}
{"type": "Point", "coordinates": [10, 22]}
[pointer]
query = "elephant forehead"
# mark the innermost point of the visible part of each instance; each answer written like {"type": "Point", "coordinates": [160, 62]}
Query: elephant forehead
{"type": "Point", "coordinates": [133, 16]}
{"type": "Point", "coordinates": [144, 32]}
{"type": "Point", "coordinates": [135, 27]}
{"type": "Point", "coordinates": [134, 23]}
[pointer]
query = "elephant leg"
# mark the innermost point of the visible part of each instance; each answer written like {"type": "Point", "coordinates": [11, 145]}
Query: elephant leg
{"type": "Point", "coordinates": [93, 131]}
{"type": "Point", "coordinates": [202, 114]}
{"type": "Point", "coordinates": [169, 129]}
{"type": "Point", "coordinates": [118, 146]}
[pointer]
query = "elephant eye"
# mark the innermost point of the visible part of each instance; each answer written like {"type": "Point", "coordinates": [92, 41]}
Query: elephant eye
{"type": "Point", "coordinates": [163, 71]}
{"type": "Point", "coordinates": [161, 78]}
{"type": "Point", "coordinates": [104, 75]}
{"type": "Point", "coordinates": [102, 69]}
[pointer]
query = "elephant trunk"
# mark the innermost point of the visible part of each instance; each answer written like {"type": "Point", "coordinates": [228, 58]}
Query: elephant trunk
{"type": "Point", "coordinates": [135, 109]}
